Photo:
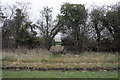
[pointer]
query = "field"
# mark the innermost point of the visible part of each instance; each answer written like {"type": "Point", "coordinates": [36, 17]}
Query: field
{"type": "Point", "coordinates": [46, 59]}
{"type": "Point", "coordinates": [59, 74]}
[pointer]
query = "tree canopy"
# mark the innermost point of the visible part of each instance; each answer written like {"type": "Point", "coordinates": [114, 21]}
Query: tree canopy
{"type": "Point", "coordinates": [97, 29]}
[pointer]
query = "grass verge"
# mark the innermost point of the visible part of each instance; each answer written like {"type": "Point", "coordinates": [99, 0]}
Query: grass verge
{"type": "Point", "coordinates": [59, 74]}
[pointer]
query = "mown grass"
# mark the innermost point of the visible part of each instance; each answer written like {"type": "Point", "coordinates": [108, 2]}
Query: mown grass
{"type": "Point", "coordinates": [47, 60]}
{"type": "Point", "coordinates": [59, 74]}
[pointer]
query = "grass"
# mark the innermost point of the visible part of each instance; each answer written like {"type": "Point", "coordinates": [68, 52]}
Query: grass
{"type": "Point", "coordinates": [59, 74]}
{"type": "Point", "coordinates": [9, 58]}
{"type": "Point", "coordinates": [44, 59]}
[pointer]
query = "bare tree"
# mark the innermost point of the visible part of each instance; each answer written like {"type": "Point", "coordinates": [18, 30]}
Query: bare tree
{"type": "Point", "coordinates": [47, 26]}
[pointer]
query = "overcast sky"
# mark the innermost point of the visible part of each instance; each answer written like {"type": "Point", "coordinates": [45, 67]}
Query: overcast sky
{"type": "Point", "coordinates": [37, 5]}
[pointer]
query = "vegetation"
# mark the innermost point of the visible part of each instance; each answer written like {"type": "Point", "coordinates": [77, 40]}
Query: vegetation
{"type": "Point", "coordinates": [44, 59]}
{"type": "Point", "coordinates": [48, 27]}
{"type": "Point", "coordinates": [59, 74]}
{"type": "Point", "coordinates": [9, 58]}
{"type": "Point", "coordinates": [74, 17]}
{"type": "Point", "coordinates": [81, 29]}
{"type": "Point", "coordinates": [90, 40]}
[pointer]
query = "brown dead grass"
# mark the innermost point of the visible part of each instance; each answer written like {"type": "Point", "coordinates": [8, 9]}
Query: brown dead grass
{"type": "Point", "coordinates": [44, 59]}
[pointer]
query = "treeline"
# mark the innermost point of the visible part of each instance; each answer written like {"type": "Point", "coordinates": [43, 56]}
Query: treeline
{"type": "Point", "coordinates": [97, 29]}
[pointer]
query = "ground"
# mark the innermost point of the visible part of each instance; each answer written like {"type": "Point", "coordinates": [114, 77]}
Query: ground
{"type": "Point", "coordinates": [59, 74]}
{"type": "Point", "coordinates": [37, 58]}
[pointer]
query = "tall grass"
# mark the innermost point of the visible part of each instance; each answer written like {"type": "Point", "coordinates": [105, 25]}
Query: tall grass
{"type": "Point", "coordinates": [43, 58]}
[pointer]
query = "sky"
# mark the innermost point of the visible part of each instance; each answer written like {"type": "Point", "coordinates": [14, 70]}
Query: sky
{"type": "Point", "coordinates": [37, 5]}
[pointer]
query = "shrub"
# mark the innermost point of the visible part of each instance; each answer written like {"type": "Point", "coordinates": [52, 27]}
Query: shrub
{"type": "Point", "coordinates": [44, 60]}
{"type": "Point", "coordinates": [9, 58]}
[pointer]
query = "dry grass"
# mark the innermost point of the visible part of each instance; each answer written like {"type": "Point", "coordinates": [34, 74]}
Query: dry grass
{"type": "Point", "coordinates": [44, 59]}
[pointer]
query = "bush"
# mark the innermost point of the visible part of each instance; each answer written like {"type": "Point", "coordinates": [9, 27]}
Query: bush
{"type": "Point", "coordinates": [9, 58]}
{"type": "Point", "coordinates": [44, 60]}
